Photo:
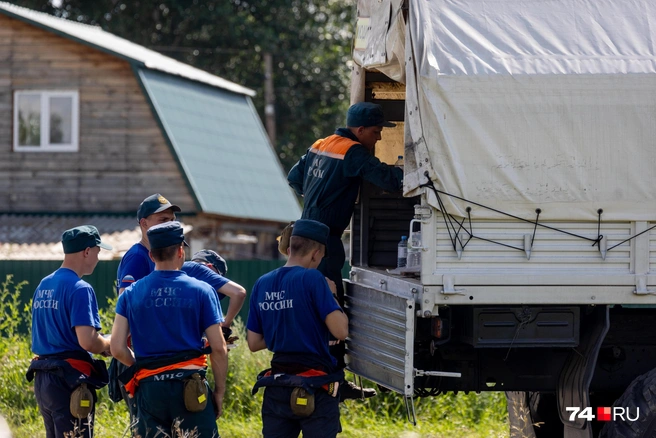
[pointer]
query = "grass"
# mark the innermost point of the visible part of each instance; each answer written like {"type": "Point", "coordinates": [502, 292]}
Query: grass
{"type": "Point", "coordinates": [463, 415]}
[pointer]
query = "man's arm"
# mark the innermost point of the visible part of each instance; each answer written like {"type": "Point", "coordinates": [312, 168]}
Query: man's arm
{"type": "Point", "coordinates": [119, 342]}
{"type": "Point", "coordinates": [296, 176]}
{"type": "Point", "coordinates": [219, 361]}
{"type": "Point", "coordinates": [359, 162]}
{"type": "Point", "coordinates": [90, 340]}
{"type": "Point", "coordinates": [237, 296]}
{"type": "Point", "coordinates": [337, 323]}
{"type": "Point", "coordinates": [133, 267]}
{"type": "Point", "coordinates": [255, 341]}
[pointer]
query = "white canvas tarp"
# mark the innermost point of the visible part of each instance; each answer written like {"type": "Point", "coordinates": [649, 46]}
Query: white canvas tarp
{"type": "Point", "coordinates": [380, 37]}
{"type": "Point", "coordinates": [525, 104]}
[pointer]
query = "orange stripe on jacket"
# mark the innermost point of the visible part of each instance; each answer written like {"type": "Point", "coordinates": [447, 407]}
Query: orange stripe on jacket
{"type": "Point", "coordinates": [334, 146]}
{"type": "Point", "coordinates": [131, 386]}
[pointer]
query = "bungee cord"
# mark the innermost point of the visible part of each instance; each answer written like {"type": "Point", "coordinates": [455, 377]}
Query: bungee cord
{"type": "Point", "coordinates": [451, 223]}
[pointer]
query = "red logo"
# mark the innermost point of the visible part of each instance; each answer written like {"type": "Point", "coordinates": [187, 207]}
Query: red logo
{"type": "Point", "coordinates": [604, 414]}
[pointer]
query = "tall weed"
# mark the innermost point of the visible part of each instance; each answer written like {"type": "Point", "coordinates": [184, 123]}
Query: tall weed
{"type": "Point", "coordinates": [17, 401]}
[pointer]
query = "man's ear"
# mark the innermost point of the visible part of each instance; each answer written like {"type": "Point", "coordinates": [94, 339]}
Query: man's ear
{"type": "Point", "coordinates": [315, 255]}
{"type": "Point", "coordinates": [151, 256]}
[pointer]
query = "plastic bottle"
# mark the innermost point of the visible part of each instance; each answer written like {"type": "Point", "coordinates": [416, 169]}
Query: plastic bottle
{"type": "Point", "coordinates": [414, 254]}
{"type": "Point", "coordinates": [399, 162]}
{"type": "Point", "coordinates": [402, 254]}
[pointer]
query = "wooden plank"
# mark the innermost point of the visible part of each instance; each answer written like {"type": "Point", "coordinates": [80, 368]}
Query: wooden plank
{"type": "Point", "coordinates": [137, 115]}
{"type": "Point", "coordinates": [110, 97]}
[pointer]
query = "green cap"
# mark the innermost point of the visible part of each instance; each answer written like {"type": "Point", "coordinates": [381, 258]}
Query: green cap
{"type": "Point", "coordinates": [80, 238]}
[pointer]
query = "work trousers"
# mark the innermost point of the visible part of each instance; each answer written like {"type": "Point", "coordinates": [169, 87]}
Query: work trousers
{"type": "Point", "coordinates": [331, 267]}
{"type": "Point", "coordinates": [160, 404]}
{"type": "Point", "coordinates": [53, 396]}
{"type": "Point", "coordinates": [278, 421]}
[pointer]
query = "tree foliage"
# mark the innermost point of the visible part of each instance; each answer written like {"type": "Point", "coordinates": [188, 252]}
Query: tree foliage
{"type": "Point", "coordinates": [310, 42]}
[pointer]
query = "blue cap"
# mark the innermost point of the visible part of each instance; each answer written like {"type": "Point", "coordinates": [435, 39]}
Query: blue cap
{"type": "Point", "coordinates": [166, 234]}
{"type": "Point", "coordinates": [154, 204]}
{"type": "Point", "coordinates": [312, 230]}
{"type": "Point", "coordinates": [80, 238]}
{"type": "Point", "coordinates": [366, 114]}
{"type": "Point", "coordinates": [213, 258]}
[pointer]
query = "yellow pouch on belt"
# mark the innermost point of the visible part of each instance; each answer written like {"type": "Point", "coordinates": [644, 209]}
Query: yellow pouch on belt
{"type": "Point", "coordinates": [302, 402]}
{"type": "Point", "coordinates": [195, 393]}
{"type": "Point", "coordinates": [81, 401]}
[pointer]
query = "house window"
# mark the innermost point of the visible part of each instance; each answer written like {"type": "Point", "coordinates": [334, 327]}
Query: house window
{"type": "Point", "coordinates": [46, 121]}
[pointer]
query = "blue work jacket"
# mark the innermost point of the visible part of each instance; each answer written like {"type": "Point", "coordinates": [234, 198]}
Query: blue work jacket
{"type": "Point", "coordinates": [329, 176]}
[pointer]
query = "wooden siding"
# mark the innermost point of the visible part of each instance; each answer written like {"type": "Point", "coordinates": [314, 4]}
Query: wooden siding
{"type": "Point", "coordinates": [123, 156]}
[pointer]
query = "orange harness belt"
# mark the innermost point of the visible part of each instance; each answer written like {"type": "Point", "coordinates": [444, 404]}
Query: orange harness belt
{"type": "Point", "coordinates": [81, 365]}
{"type": "Point", "coordinates": [330, 388]}
{"type": "Point", "coordinates": [131, 386]}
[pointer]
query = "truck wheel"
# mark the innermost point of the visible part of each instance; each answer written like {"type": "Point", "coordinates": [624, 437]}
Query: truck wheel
{"type": "Point", "coordinates": [640, 394]}
{"type": "Point", "coordinates": [519, 415]}
{"type": "Point", "coordinates": [544, 414]}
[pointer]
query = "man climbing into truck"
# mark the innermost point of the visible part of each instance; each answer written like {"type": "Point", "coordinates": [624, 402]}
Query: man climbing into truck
{"type": "Point", "coordinates": [329, 177]}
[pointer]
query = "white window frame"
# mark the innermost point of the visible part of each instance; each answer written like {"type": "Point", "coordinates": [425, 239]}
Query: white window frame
{"type": "Point", "coordinates": [45, 145]}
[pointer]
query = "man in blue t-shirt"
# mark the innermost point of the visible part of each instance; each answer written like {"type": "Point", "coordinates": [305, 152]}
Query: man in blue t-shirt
{"type": "Point", "coordinates": [166, 314]}
{"type": "Point", "coordinates": [293, 313]}
{"type": "Point", "coordinates": [136, 263]}
{"type": "Point", "coordinates": [65, 329]}
{"type": "Point", "coordinates": [208, 266]}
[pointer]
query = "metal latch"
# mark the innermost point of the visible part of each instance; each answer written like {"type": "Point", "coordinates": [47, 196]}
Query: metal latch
{"type": "Point", "coordinates": [603, 247]}
{"type": "Point", "coordinates": [423, 212]}
{"type": "Point", "coordinates": [418, 373]}
{"type": "Point", "coordinates": [448, 286]}
{"type": "Point", "coordinates": [641, 286]}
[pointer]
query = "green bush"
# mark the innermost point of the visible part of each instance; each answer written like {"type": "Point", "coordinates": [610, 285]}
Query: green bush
{"type": "Point", "coordinates": [462, 415]}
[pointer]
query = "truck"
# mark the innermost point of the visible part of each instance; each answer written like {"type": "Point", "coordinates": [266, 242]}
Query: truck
{"type": "Point", "coordinates": [527, 130]}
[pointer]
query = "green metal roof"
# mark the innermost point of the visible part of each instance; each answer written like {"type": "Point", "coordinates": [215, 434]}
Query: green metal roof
{"type": "Point", "coordinates": [222, 147]}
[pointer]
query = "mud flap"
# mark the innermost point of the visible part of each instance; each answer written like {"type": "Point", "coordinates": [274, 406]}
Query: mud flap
{"type": "Point", "coordinates": [577, 372]}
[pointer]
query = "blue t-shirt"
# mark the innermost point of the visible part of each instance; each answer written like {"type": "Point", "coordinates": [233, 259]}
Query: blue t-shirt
{"type": "Point", "coordinates": [203, 273]}
{"type": "Point", "coordinates": [289, 307]}
{"type": "Point", "coordinates": [60, 303]}
{"type": "Point", "coordinates": [135, 265]}
{"type": "Point", "coordinates": [168, 311]}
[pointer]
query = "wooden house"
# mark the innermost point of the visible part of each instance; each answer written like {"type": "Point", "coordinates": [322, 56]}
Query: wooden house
{"type": "Point", "coordinates": [91, 124]}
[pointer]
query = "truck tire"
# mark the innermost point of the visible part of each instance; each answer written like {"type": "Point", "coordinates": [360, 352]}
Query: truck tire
{"type": "Point", "coordinates": [544, 414]}
{"type": "Point", "coordinates": [519, 415]}
{"type": "Point", "coordinates": [640, 394]}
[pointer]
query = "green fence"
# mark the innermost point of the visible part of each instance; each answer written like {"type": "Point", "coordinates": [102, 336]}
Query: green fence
{"type": "Point", "coordinates": [244, 272]}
